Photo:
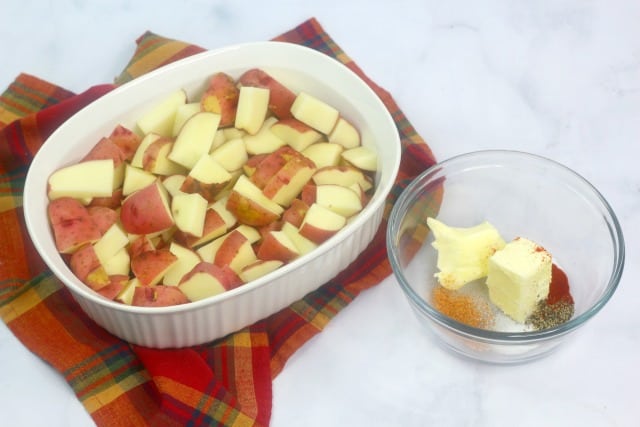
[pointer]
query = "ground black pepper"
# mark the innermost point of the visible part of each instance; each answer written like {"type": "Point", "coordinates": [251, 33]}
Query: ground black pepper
{"type": "Point", "coordinates": [548, 315]}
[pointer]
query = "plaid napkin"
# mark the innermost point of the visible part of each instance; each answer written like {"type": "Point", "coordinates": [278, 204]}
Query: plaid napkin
{"type": "Point", "coordinates": [226, 382]}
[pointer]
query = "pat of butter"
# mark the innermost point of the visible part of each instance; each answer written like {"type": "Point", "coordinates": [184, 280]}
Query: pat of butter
{"type": "Point", "coordinates": [463, 253]}
{"type": "Point", "coordinates": [518, 277]}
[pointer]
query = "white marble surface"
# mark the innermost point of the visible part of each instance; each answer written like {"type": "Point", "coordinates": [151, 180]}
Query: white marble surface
{"type": "Point", "coordinates": [557, 78]}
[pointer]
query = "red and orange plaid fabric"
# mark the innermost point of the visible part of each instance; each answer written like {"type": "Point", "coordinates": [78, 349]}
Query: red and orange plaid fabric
{"type": "Point", "coordinates": [226, 382]}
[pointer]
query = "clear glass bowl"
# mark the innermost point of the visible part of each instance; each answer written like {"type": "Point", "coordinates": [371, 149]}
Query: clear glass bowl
{"type": "Point", "coordinates": [521, 195]}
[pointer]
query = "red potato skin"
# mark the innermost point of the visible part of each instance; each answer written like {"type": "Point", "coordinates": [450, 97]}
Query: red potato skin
{"type": "Point", "coordinates": [103, 217]}
{"type": "Point", "coordinates": [84, 261]}
{"type": "Point", "coordinates": [116, 284]}
{"type": "Point", "coordinates": [274, 226]}
{"type": "Point", "coordinates": [151, 153]}
{"type": "Point", "coordinates": [139, 245]}
{"type": "Point", "coordinates": [252, 163]}
{"type": "Point", "coordinates": [97, 279]}
{"type": "Point", "coordinates": [143, 212]}
{"type": "Point", "coordinates": [316, 234]}
{"type": "Point", "coordinates": [272, 249]}
{"type": "Point", "coordinates": [207, 191]}
{"type": "Point", "coordinates": [227, 277]}
{"type": "Point", "coordinates": [271, 164]}
{"type": "Point", "coordinates": [249, 212]}
{"type": "Point", "coordinates": [297, 210]}
{"type": "Point", "coordinates": [112, 202]}
{"type": "Point", "coordinates": [308, 195]}
{"type": "Point", "coordinates": [126, 140]}
{"type": "Point", "coordinates": [230, 279]}
{"type": "Point", "coordinates": [294, 124]}
{"type": "Point", "coordinates": [221, 97]}
{"type": "Point", "coordinates": [229, 248]}
{"type": "Point", "coordinates": [284, 175]}
{"type": "Point", "coordinates": [280, 97]}
{"type": "Point", "coordinates": [149, 266]}
{"type": "Point", "coordinates": [71, 223]}
{"type": "Point", "coordinates": [214, 226]}
{"type": "Point", "coordinates": [158, 296]}
{"type": "Point", "coordinates": [106, 149]}
{"type": "Point", "coordinates": [339, 169]}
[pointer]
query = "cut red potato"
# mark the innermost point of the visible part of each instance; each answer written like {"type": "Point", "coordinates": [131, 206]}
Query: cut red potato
{"type": "Point", "coordinates": [103, 217]}
{"type": "Point", "coordinates": [150, 267]}
{"type": "Point", "coordinates": [72, 224]}
{"type": "Point", "coordinates": [183, 113]}
{"type": "Point", "coordinates": [276, 245]}
{"type": "Point", "coordinates": [136, 179]}
{"type": "Point", "coordinates": [92, 178]}
{"type": "Point", "coordinates": [315, 113]}
{"type": "Point", "coordinates": [341, 200]}
{"type": "Point", "coordinates": [119, 264]}
{"type": "Point", "coordinates": [288, 182]}
{"type": "Point", "coordinates": [111, 242]}
{"type": "Point", "coordinates": [258, 269]}
{"type": "Point", "coordinates": [218, 138]}
{"type": "Point", "coordinates": [253, 104]}
{"type": "Point", "coordinates": [362, 158]}
{"type": "Point", "coordinates": [97, 279]}
{"type": "Point", "coordinates": [189, 212]}
{"type": "Point", "coordinates": [138, 156]}
{"type": "Point", "coordinates": [321, 223]}
{"type": "Point", "coordinates": [214, 226]}
{"type": "Point", "coordinates": [342, 175]}
{"type": "Point", "coordinates": [186, 259]}
{"type": "Point", "coordinates": [295, 133]}
{"type": "Point", "coordinates": [126, 140]}
{"type": "Point", "coordinates": [158, 296]}
{"type": "Point", "coordinates": [268, 165]}
{"type": "Point", "coordinates": [173, 184]}
{"type": "Point", "coordinates": [324, 154]}
{"type": "Point", "coordinates": [195, 139]}
{"type": "Point", "coordinates": [84, 261]}
{"type": "Point", "coordinates": [209, 194]}
{"type": "Point", "coordinates": [221, 97]}
{"type": "Point", "coordinates": [207, 178]}
{"type": "Point", "coordinates": [250, 206]}
{"type": "Point", "coordinates": [252, 234]}
{"type": "Point", "coordinates": [115, 286]}
{"type": "Point", "coordinates": [139, 244]}
{"type": "Point", "coordinates": [125, 295]}
{"type": "Point", "coordinates": [264, 141]}
{"type": "Point", "coordinates": [235, 251]}
{"type": "Point", "coordinates": [147, 210]}
{"type": "Point", "coordinates": [161, 117]}
{"type": "Point", "coordinates": [206, 280]}
{"type": "Point", "coordinates": [280, 97]}
{"type": "Point", "coordinates": [303, 245]}
{"type": "Point", "coordinates": [220, 207]}
{"type": "Point", "coordinates": [345, 134]}
{"type": "Point", "coordinates": [296, 211]}
{"type": "Point", "coordinates": [231, 155]}
{"type": "Point", "coordinates": [232, 133]}
{"type": "Point", "coordinates": [155, 158]}
{"type": "Point", "coordinates": [106, 149]}
{"type": "Point", "coordinates": [112, 201]}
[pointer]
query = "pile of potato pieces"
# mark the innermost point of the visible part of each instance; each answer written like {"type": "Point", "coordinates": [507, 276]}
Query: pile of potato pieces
{"type": "Point", "coordinates": [206, 195]}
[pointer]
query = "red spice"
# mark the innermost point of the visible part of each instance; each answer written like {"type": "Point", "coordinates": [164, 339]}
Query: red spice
{"type": "Point", "coordinates": [559, 287]}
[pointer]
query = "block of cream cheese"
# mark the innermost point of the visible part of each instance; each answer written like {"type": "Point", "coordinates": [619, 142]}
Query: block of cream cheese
{"type": "Point", "coordinates": [518, 277]}
{"type": "Point", "coordinates": [463, 253]}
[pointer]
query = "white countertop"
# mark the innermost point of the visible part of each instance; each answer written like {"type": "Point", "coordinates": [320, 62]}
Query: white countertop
{"type": "Point", "coordinates": [560, 79]}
